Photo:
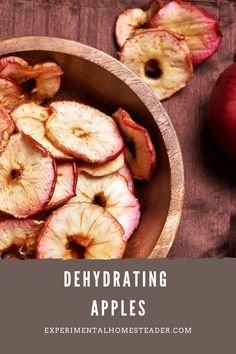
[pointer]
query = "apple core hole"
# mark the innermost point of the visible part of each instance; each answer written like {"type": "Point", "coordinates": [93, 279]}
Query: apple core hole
{"type": "Point", "coordinates": [99, 199]}
{"type": "Point", "coordinates": [28, 85]}
{"type": "Point", "coordinates": [152, 69]}
{"type": "Point", "coordinates": [16, 173]}
{"type": "Point", "coordinates": [76, 249]}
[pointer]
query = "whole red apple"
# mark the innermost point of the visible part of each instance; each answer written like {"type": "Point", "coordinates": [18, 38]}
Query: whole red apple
{"type": "Point", "coordinates": [222, 111]}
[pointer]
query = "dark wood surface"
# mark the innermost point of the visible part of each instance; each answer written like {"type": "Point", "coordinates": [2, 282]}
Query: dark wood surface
{"type": "Point", "coordinates": [208, 225]}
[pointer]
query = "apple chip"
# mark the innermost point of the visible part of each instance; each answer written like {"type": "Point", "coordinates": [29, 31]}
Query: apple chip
{"type": "Point", "coordinates": [127, 23]}
{"type": "Point", "coordinates": [11, 60]}
{"type": "Point", "coordinates": [18, 238]}
{"type": "Point", "coordinates": [161, 58]}
{"type": "Point", "coordinates": [84, 132]}
{"type": "Point", "coordinates": [201, 30]}
{"type": "Point", "coordinates": [27, 177]}
{"type": "Point", "coordinates": [140, 153]}
{"type": "Point", "coordinates": [81, 230]}
{"type": "Point", "coordinates": [39, 82]}
{"type": "Point", "coordinates": [104, 169]}
{"type": "Point", "coordinates": [132, 21]}
{"type": "Point", "coordinates": [31, 110]}
{"type": "Point", "coordinates": [112, 194]}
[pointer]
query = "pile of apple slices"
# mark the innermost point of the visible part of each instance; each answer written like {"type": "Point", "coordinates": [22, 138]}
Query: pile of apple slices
{"type": "Point", "coordinates": [161, 45]}
{"type": "Point", "coordinates": [66, 177]}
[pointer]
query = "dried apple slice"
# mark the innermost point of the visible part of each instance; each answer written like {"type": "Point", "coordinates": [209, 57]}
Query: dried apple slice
{"type": "Point", "coordinates": [131, 21]}
{"type": "Point", "coordinates": [10, 94]}
{"type": "Point", "coordinates": [140, 153]}
{"type": "Point", "coordinates": [112, 194]}
{"type": "Point", "coordinates": [127, 23]}
{"type": "Point", "coordinates": [11, 60]}
{"type": "Point", "coordinates": [48, 81]}
{"type": "Point", "coordinates": [27, 177]}
{"type": "Point", "coordinates": [125, 172]}
{"type": "Point", "coordinates": [200, 30]}
{"type": "Point", "coordinates": [84, 132]}
{"type": "Point", "coordinates": [31, 118]}
{"type": "Point", "coordinates": [7, 127]}
{"type": "Point", "coordinates": [161, 58]}
{"type": "Point", "coordinates": [65, 187]}
{"type": "Point", "coordinates": [43, 80]}
{"type": "Point", "coordinates": [81, 230]}
{"type": "Point", "coordinates": [18, 238]}
{"type": "Point", "coordinates": [104, 169]}
{"type": "Point", "coordinates": [31, 110]}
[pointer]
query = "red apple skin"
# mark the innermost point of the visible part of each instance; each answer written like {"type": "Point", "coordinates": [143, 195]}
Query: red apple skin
{"type": "Point", "coordinates": [143, 165]}
{"type": "Point", "coordinates": [211, 42]}
{"type": "Point", "coordinates": [71, 184]}
{"type": "Point", "coordinates": [221, 113]}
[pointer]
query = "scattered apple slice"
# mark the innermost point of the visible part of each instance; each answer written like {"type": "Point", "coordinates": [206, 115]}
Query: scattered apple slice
{"type": "Point", "coordinates": [104, 169]}
{"type": "Point", "coordinates": [161, 58]}
{"type": "Point", "coordinates": [7, 127]}
{"type": "Point", "coordinates": [200, 30]}
{"type": "Point", "coordinates": [112, 194]}
{"type": "Point", "coordinates": [127, 23]}
{"type": "Point", "coordinates": [18, 238]}
{"type": "Point", "coordinates": [65, 187]}
{"type": "Point", "coordinates": [84, 132]}
{"type": "Point", "coordinates": [81, 230]}
{"type": "Point", "coordinates": [31, 118]}
{"type": "Point", "coordinates": [10, 94]}
{"type": "Point", "coordinates": [125, 172]}
{"type": "Point", "coordinates": [140, 153]}
{"type": "Point", "coordinates": [27, 177]}
{"type": "Point", "coordinates": [132, 20]}
{"type": "Point", "coordinates": [43, 79]}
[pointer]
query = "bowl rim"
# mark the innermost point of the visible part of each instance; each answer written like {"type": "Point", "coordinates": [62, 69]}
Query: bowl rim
{"type": "Point", "coordinates": [70, 47]}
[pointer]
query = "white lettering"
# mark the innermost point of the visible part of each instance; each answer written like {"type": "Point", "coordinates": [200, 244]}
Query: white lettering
{"type": "Point", "coordinates": [67, 279]}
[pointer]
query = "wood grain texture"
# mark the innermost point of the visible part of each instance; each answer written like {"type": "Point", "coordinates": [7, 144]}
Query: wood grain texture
{"type": "Point", "coordinates": [208, 226]}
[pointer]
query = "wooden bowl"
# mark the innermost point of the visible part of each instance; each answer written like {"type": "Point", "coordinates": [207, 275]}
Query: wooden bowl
{"type": "Point", "coordinates": [103, 82]}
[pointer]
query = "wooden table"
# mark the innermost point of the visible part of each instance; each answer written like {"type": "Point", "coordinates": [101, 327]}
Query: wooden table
{"type": "Point", "coordinates": [208, 226]}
